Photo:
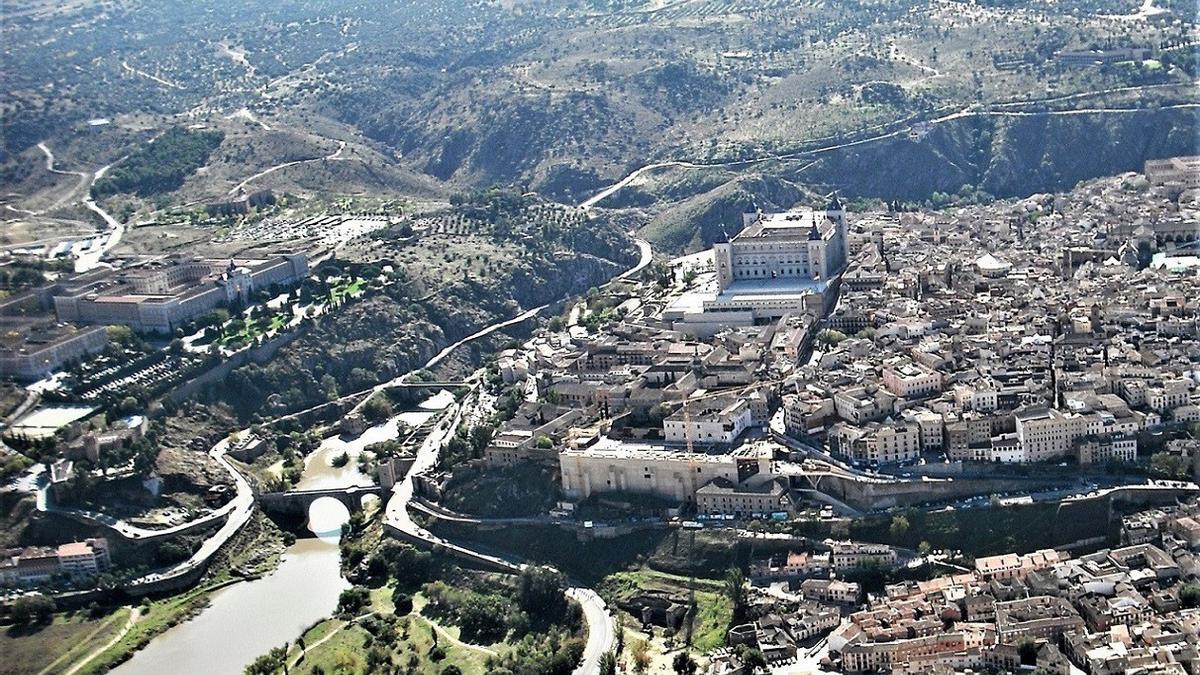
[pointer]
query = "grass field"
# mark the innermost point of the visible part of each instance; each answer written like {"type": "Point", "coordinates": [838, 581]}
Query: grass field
{"type": "Point", "coordinates": [156, 617]}
{"type": "Point", "coordinates": [55, 647]}
{"type": "Point", "coordinates": [337, 646]}
{"type": "Point", "coordinates": [713, 609]}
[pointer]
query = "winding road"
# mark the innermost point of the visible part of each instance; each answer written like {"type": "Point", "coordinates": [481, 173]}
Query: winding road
{"type": "Point", "coordinates": [601, 630]}
{"type": "Point", "coordinates": [994, 110]}
{"type": "Point", "coordinates": [335, 156]}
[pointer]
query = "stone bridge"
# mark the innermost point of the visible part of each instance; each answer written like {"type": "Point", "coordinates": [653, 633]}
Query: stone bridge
{"type": "Point", "coordinates": [298, 501]}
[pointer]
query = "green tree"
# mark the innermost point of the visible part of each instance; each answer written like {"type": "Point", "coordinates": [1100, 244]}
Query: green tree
{"type": "Point", "coordinates": [352, 600]}
{"type": "Point", "coordinates": [751, 658]}
{"type": "Point", "coordinates": [830, 336]}
{"type": "Point", "coordinates": [1189, 595]}
{"type": "Point", "coordinates": [542, 592]}
{"type": "Point", "coordinates": [608, 663]}
{"type": "Point", "coordinates": [269, 663]}
{"type": "Point", "coordinates": [34, 608]}
{"type": "Point", "coordinates": [402, 602]}
{"type": "Point", "coordinates": [378, 408]}
{"type": "Point", "coordinates": [899, 526]}
{"type": "Point", "coordinates": [683, 664]}
{"type": "Point", "coordinates": [735, 590]}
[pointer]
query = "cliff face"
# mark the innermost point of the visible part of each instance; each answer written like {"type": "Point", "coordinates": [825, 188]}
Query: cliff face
{"type": "Point", "coordinates": [1005, 156]}
{"type": "Point", "coordinates": [1009, 156]}
{"type": "Point", "coordinates": [698, 221]}
{"type": "Point", "coordinates": [391, 332]}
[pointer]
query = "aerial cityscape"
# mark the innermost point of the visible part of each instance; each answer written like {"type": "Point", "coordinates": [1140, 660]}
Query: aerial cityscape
{"type": "Point", "coordinates": [585, 337]}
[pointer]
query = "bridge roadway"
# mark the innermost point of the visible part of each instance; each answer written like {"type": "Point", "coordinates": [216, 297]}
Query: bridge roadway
{"type": "Point", "coordinates": [298, 501]}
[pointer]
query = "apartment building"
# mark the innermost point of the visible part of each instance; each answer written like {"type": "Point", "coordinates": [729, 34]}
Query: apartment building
{"type": "Point", "coordinates": [906, 379]}
{"type": "Point", "coordinates": [877, 443]}
{"type": "Point", "coordinates": [705, 424]}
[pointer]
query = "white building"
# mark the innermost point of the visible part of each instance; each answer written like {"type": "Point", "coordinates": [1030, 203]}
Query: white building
{"type": "Point", "coordinates": [801, 244]}
{"type": "Point", "coordinates": [909, 380]}
{"type": "Point", "coordinates": [653, 470]}
{"type": "Point", "coordinates": [711, 425]}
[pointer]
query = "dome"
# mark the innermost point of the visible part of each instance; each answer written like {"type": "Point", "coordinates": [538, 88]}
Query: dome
{"type": "Point", "coordinates": [990, 265]}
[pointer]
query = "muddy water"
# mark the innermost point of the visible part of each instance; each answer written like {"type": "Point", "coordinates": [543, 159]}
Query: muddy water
{"type": "Point", "coordinates": [247, 619]}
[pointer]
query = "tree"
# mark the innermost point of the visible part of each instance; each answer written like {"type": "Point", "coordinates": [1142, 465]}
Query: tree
{"type": "Point", "coordinates": [1028, 650]}
{"type": "Point", "coordinates": [269, 663]}
{"type": "Point", "coordinates": [735, 589]}
{"type": "Point", "coordinates": [1189, 595]}
{"type": "Point", "coordinates": [402, 601]}
{"type": "Point", "coordinates": [353, 599]}
{"type": "Point", "coordinates": [451, 670]}
{"type": "Point", "coordinates": [683, 664]}
{"type": "Point", "coordinates": [751, 658]}
{"type": "Point", "coordinates": [377, 408]}
{"type": "Point", "coordinates": [608, 663]}
{"type": "Point", "coordinates": [899, 526]}
{"type": "Point", "coordinates": [830, 336]}
{"type": "Point", "coordinates": [640, 651]}
{"type": "Point", "coordinates": [170, 552]}
{"type": "Point", "coordinates": [35, 608]}
{"type": "Point", "coordinates": [924, 549]}
{"type": "Point", "coordinates": [542, 592]}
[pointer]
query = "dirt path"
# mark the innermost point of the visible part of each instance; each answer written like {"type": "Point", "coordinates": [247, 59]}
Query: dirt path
{"type": "Point", "coordinates": [134, 615]}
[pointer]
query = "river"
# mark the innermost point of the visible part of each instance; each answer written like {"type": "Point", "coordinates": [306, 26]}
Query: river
{"type": "Point", "coordinates": [247, 619]}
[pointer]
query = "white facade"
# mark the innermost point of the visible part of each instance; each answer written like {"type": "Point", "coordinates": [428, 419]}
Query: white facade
{"type": "Point", "coordinates": [708, 427]}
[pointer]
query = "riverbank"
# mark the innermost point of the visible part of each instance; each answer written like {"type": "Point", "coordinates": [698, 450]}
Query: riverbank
{"type": "Point", "coordinates": [76, 643]}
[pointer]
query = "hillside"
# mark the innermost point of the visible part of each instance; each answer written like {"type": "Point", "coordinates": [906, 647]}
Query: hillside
{"type": "Point", "coordinates": [974, 156]}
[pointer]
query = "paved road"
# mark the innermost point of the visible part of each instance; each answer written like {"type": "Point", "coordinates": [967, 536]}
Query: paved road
{"type": "Point", "coordinates": [602, 636]}
{"type": "Point", "coordinates": [601, 629]}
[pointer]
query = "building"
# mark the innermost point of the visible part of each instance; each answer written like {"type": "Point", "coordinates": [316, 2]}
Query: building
{"type": "Point", "coordinates": [779, 264]}
{"type": "Point", "coordinates": [669, 474]}
{"type": "Point", "coordinates": [877, 443]}
{"type": "Point", "coordinates": [159, 295]}
{"type": "Point", "coordinates": [1042, 616]}
{"type": "Point", "coordinates": [848, 555]}
{"type": "Point", "coordinates": [757, 499]}
{"type": "Point", "coordinates": [37, 565]}
{"type": "Point", "coordinates": [1103, 449]}
{"type": "Point", "coordinates": [1087, 57]}
{"type": "Point", "coordinates": [708, 425]}
{"type": "Point", "coordinates": [32, 350]}
{"type": "Point", "coordinates": [802, 244]}
{"type": "Point", "coordinates": [1013, 566]}
{"type": "Point", "coordinates": [906, 379]}
{"type": "Point", "coordinates": [833, 591]}
{"type": "Point", "coordinates": [793, 565]}
{"type": "Point", "coordinates": [84, 558]}
{"type": "Point", "coordinates": [858, 405]}
{"type": "Point", "coordinates": [1046, 433]}
{"type": "Point", "coordinates": [1174, 171]}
